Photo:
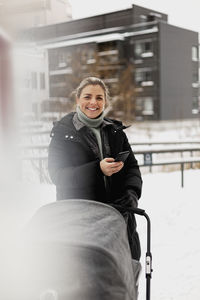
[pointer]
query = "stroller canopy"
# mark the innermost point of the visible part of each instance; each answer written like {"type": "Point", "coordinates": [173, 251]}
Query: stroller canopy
{"type": "Point", "coordinates": [78, 249]}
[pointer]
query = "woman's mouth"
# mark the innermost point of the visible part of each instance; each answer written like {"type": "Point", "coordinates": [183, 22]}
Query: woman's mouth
{"type": "Point", "coordinates": [92, 108]}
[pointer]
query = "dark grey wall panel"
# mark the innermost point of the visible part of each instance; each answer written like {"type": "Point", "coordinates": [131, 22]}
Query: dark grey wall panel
{"type": "Point", "coordinates": [176, 71]}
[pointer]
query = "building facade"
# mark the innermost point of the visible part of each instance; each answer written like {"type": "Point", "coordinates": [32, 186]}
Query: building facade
{"type": "Point", "coordinates": [31, 81]}
{"type": "Point", "coordinates": [31, 63]}
{"type": "Point", "coordinates": [150, 66]}
{"type": "Point", "coordinates": [22, 14]}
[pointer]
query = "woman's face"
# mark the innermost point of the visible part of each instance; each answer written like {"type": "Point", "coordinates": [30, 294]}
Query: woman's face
{"type": "Point", "coordinates": [92, 101]}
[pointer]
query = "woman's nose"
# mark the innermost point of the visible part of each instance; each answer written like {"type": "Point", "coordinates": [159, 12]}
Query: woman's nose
{"type": "Point", "coordinates": [93, 100]}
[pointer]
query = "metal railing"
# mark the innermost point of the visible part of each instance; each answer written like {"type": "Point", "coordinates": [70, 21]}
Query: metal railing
{"type": "Point", "coordinates": [37, 155]}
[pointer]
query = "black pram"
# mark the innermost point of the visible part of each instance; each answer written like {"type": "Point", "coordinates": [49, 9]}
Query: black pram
{"type": "Point", "coordinates": [78, 250]}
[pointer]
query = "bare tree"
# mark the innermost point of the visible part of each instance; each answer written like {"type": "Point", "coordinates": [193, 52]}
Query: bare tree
{"type": "Point", "coordinates": [88, 60]}
{"type": "Point", "coordinates": [127, 91]}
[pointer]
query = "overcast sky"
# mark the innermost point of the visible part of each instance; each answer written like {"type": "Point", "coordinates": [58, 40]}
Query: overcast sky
{"type": "Point", "coordinates": [181, 13]}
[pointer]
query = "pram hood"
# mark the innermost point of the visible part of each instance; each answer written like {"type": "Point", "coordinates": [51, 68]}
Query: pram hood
{"type": "Point", "coordinates": [91, 252]}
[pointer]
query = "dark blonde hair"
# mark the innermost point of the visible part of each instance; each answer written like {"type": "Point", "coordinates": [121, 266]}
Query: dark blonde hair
{"type": "Point", "coordinates": [92, 81]}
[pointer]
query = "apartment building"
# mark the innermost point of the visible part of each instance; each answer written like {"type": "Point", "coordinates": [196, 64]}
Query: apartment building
{"type": "Point", "coordinates": [31, 80]}
{"type": "Point", "coordinates": [136, 51]}
{"type": "Point", "coordinates": [22, 14]}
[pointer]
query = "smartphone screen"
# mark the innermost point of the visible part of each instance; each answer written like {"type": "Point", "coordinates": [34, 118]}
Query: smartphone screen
{"type": "Point", "coordinates": [122, 156]}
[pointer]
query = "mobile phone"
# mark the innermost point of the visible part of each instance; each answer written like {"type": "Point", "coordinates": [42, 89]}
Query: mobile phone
{"type": "Point", "coordinates": [122, 156]}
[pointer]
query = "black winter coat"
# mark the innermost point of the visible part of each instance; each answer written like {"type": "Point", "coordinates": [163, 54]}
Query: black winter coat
{"type": "Point", "coordinates": [74, 165]}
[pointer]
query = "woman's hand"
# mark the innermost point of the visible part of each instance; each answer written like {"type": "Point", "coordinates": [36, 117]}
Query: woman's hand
{"type": "Point", "coordinates": [109, 166]}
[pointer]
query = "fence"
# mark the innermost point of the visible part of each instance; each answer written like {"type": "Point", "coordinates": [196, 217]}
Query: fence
{"type": "Point", "coordinates": [181, 162]}
{"type": "Point", "coordinates": [37, 156]}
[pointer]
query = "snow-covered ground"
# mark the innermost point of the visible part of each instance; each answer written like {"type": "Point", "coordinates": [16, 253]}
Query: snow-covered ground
{"type": "Point", "coordinates": [182, 130]}
{"type": "Point", "coordinates": [174, 213]}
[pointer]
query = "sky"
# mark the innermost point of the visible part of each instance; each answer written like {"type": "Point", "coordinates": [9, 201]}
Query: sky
{"type": "Point", "coordinates": [185, 14]}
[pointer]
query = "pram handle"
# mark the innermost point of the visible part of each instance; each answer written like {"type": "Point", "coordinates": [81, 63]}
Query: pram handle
{"type": "Point", "coordinates": [138, 211]}
{"type": "Point", "coordinates": [148, 264]}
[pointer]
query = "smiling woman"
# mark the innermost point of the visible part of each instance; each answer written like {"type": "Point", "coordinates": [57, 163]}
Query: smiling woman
{"type": "Point", "coordinates": [92, 101]}
{"type": "Point", "coordinates": [82, 156]}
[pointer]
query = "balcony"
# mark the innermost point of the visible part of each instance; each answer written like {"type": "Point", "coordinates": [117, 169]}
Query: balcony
{"type": "Point", "coordinates": [108, 52]}
{"type": "Point", "coordinates": [147, 54]}
{"type": "Point", "coordinates": [195, 84]}
{"type": "Point", "coordinates": [91, 61]}
{"type": "Point", "coordinates": [61, 72]}
{"type": "Point", "coordinates": [147, 83]}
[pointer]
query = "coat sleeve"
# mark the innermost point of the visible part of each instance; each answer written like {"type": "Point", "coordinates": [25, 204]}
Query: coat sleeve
{"type": "Point", "coordinates": [133, 179]}
{"type": "Point", "coordinates": [130, 178]}
{"type": "Point", "coordinates": [64, 172]}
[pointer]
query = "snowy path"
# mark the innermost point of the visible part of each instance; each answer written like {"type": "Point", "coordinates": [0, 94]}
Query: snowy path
{"type": "Point", "coordinates": [175, 218]}
{"type": "Point", "coordinates": [174, 213]}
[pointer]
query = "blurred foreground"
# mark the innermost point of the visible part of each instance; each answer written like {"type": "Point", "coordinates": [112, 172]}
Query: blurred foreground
{"type": "Point", "coordinates": [174, 213]}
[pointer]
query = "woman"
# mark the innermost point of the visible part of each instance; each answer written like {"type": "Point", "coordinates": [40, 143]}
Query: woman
{"type": "Point", "coordinates": [82, 156]}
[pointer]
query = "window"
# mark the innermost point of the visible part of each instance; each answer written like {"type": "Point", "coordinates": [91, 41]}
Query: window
{"type": "Point", "coordinates": [26, 83]}
{"type": "Point", "coordinates": [144, 76]}
{"type": "Point", "coordinates": [195, 105]}
{"type": "Point", "coordinates": [147, 46]}
{"type": "Point", "coordinates": [42, 81]}
{"type": "Point", "coordinates": [195, 53]}
{"type": "Point", "coordinates": [26, 80]}
{"type": "Point", "coordinates": [143, 18]}
{"type": "Point", "coordinates": [64, 59]}
{"type": "Point", "coordinates": [195, 77]}
{"type": "Point", "coordinates": [143, 49]}
{"type": "Point", "coordinates": [139, 104]}
{"type": "Point", "coordinates": [88, 55]}
{"type": "Point", "coordinates": [139, 76]}
{"type": "Point", "coordinates": [148, 106]}
{"type": "Point", "coordinates": [34, 80]}
{"type": "Point", "coordinates": [144, 106]}
{"type": "Point", "coordinates": [138, 50]}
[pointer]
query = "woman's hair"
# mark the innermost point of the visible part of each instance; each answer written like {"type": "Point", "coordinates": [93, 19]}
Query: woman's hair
{"type": "Point", "coordinates": [92, 81]}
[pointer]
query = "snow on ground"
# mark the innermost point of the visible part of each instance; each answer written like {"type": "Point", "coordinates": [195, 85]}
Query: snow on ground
{"type": "Point", "coordinates": [182, 130]}
{"type": "Point", "coordinates": [174, 213]}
